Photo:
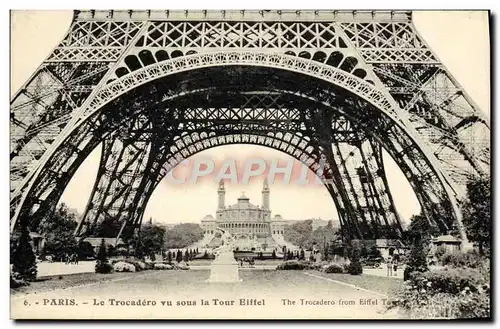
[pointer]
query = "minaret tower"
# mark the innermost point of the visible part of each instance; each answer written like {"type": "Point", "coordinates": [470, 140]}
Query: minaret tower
{"type": "Point", "coordinates": [222, 195]}
{"type": "Point", "coordinates": [265, 195]}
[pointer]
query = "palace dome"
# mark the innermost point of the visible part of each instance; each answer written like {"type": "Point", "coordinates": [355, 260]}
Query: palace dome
{"type": "Point", "coordinates": [208, 217]}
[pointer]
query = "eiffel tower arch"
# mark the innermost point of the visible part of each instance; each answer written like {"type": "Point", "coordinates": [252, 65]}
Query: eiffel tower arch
{"type": "Point", "coordinates": [329, 88]}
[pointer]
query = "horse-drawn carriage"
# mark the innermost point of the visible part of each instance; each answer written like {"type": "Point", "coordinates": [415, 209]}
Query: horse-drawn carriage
{"type": "Point", "coordinates": [244, 256]}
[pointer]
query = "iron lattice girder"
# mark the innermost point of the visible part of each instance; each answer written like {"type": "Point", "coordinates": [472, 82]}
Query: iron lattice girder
{"type": "Point", "coordinates": [358, 170]}
{"type": "Point", "coordinates": [443, 115]}
{"type": "Point", "coordinates": [163, 160]}
{"type": "Point", "coordinates": [297, 146]}
{"type": "Point", "coordinates": [123, 163]}
{"type": "Point", "coordinates": [367, 188]}
{"type": "Point", "coordinates": [103, 123]}
{"type": "Point", "coordinates": [41, 110]}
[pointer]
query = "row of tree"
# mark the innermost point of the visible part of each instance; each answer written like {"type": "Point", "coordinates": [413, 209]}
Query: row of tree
{"type": "Point", "coordinates": [58, 232]}
{"type": "Point", "coordinates": [290, 255]}
{"type": "Point", "coordinates": [179, 257]}
{"type": "Point", "coordinates": [302, 234]}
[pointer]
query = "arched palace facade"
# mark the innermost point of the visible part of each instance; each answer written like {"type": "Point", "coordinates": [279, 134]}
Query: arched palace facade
{"type": "Point", "coordinates": [251, 225]}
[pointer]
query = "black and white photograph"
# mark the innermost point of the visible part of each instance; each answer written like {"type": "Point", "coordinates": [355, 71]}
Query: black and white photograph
{"type": "Point", "coordinates": [250, 164]}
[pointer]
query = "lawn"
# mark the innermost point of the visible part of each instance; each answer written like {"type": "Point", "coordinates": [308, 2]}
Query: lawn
{"type": "Point", "coordinates": [378, 284]}
{"type": "Point", "coordinates": [200, 262]}
{"type": "Point", "coordinates": [264, 294]}
{"type": "Point", "coordinates": [50, 283]}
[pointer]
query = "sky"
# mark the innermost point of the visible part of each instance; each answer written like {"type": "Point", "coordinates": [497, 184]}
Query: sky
{"type": "Point", "coordinates": [459, 39]}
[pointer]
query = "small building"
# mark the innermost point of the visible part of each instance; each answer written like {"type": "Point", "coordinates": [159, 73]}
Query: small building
{"type": "Point", "coordinates": [448, 241]}
{"type": "Point", "coordinates": [387, 247]}
{"type": "Point", "coordinates": [96, 242]}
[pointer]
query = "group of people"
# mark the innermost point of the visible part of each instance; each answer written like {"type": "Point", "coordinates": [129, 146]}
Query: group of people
{"type": "Point", "coordinates": [249, 260]}
{"type": "Point", "coordinates": [71, 259]}
{"type": "Point", "coordinates": [392, 266]}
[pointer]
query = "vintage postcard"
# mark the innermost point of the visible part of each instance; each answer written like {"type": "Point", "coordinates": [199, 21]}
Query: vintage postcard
{"type": "Point", "coordinates": [250, 164]}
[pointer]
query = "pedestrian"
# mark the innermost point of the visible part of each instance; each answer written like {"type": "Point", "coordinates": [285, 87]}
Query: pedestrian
{"type": "Point", "coordinates": [389, 266]}
{"type": "Point", "coordinates": [395, 267]}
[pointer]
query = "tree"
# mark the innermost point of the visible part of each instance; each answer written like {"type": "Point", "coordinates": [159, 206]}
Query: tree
{"type": "Point", "coordinates": [300, 233]}
{"type": "Point", "coordinates": [197, 252]}
{"type": "Point", "coordinates": [302, 254]}
{"type": "Point", "coordinates": [178, 258]}
{"type": "Point", "coordinates": [84, 250]}
{"type": "Point", "coordinates": [324, 256]}
{"type": "Point", "coordinates": [477, 213]}
{"type": "Point", "coordinates": [152, 238]}
{"type": "Point", "coordinates": [355, 267]}
{"type": "Point", "coordinates": [108, 228]}
{"type": "Point", "coordinates": [420, 228]}
{"type": "Point", "coordinates": [60, 220]}
{"type": "Point", "coordinates": [186, 256]}
{"type": "Point", "coordinates": [338, 248]}
{"type": "Point", "coordinates": [374, 252]}
{"type": "Point", "coordinates": [138, 247]}
{"type": "Point", "coordinates": [23, 258]}
{"type": "Point", "coordinates": [364, 252]}
{"type": "Point", "coordinates": [183, 235]}
{"type": "Point", "coordinates": [169, 257]}
{"type": "Point", "coordinates": [274, 254]}
{"type": "Point", "coordinates": [58, 229]}
{"type": "Point", "coordinates": [111, 251]}
{"type": "Point", "coordinates": [59, 243]}
{"type": "Point", "coordinates": [205, 255]}
{"type": "Point", "coordinates": [102, 264]}
{"type": "Point", "coordinates": [14, 241]}
{"type": "Point", "coordinates": [324, 233]}
{"type": "Point", "coordinates": [417, 261]}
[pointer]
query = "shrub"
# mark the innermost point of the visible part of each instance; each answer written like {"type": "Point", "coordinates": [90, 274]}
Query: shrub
{"type": "Point", "coordinates": [103, 268]}
{"type": "Point", "coordinates": [149, 265]}
{"type": "Point", "coordinates": [447, 293]}
{"type": "Point", "coordinates": [448, 280]}
{"type": "Point", "coordinates": [160, 266]}
{"type": "Point", "coordinates": [333, 268]}
{"type": "Point", "coordinates": [16, 280]}
{"type": "Point", "coordinates": [122, 251]}
{"type": "Point", "coordinates": [138, 265]}
{"type": "Point", "coordinates": [355, 267]}
{"type": "Point", "coordinates": [181, 266]}
{"type": "Point", "coordinates": [294, 265]}
{"type": "Point", "coordinates": [23, 258]}
{"type": "Point", "coordinates": [123, 267]}
{"type": "Point", "coordinates": [85, 250]}
{"type": "Point", "coordinates": [417, 261]}
{"type": "Point", "coordinates": [440, 252]}
{"type": "Point", "coordinates": [446, 306]}
{"type": "Point", "coordinates": [474, 306]}
{"type": "Point", "coordinates": [462, 259]}
{"type": "Point", "coordinates": [102, 265]}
